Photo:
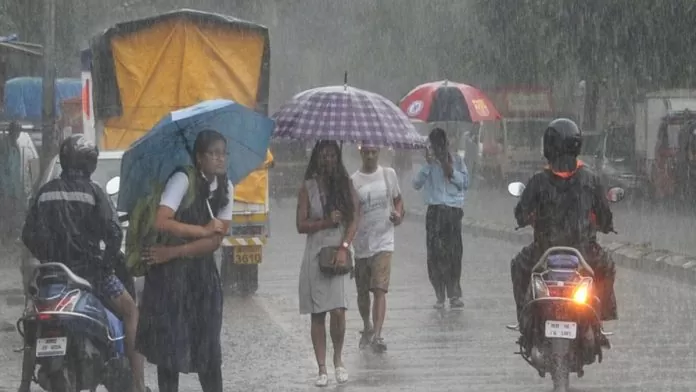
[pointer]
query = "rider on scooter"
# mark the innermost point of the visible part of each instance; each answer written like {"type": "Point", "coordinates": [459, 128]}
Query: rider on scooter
{"type": "Point", "coordinates": [566, 204]}
{"type": "Point", "coordinates": [68, 220]}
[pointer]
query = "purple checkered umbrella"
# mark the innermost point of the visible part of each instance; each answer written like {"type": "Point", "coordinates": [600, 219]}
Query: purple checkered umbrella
{"type": "Point", "coordinates": [346, 114]}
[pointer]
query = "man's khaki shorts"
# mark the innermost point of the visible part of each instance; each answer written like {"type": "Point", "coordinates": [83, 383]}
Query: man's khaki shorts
{"type": "Point", "coordinates": [373, 273]}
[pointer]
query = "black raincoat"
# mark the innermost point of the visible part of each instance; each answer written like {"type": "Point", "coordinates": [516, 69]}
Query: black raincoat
{"type": "Point", "coordinates": [181, 308]}
{"type": "Point", "coordinates": [67, 221]}
{"type": "Point", "coordinates": [566, 209]}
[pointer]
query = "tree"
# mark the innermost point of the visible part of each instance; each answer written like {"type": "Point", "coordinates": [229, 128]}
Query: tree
{"type": "Point", "coordinates": [640, 42]}
{"type": "Point", "coordinates": [405, 43]}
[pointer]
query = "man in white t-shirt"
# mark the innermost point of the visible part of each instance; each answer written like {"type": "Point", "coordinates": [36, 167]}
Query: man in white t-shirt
{"type": "Point", "coordinates": [381, 209]}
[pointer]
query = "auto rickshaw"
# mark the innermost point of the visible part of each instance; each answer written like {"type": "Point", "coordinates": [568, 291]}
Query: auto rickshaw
{"type": "Point", "coordinates": [686, 162]}
{"type": "Point", "coordinates": [664, 171]}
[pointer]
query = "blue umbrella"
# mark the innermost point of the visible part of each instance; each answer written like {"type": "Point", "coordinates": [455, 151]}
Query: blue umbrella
{"type": "Point", "coordinates": [155, 156]}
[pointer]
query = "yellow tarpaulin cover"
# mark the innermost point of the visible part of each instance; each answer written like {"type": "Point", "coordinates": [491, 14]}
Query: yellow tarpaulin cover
{"type": "Point", "coordinates": [249, 190]}
{"type": "Point", "coordinates": [177, 63]}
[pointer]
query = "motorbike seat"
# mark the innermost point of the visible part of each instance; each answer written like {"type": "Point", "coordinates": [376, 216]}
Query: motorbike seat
{"type": "Point", "coordinates": [560, 275]}
{"type": "Point", "coordinates": [79, 282]}
{"type": "Point", "coordinates": [563, 261]}
{"type": "Point", "coordinates": [74, 280]}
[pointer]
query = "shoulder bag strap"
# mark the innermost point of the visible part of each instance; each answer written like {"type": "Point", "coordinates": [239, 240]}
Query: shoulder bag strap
{"type": "Point", "coordinates": [390, 200]}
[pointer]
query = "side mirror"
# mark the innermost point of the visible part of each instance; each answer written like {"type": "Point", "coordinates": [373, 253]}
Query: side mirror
{"type": "Point", "coordinates": [516, 189]}
{"type": "Point", "coordinates": [616, 194]}
{"type": "Point", "coordinates": [113, 186]}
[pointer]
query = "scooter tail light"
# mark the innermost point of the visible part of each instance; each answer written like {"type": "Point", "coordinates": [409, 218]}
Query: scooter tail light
{"type": "Point", "coordinates": [44, 317]}
{"type": "Point", "coordinates": [582, 291]}
{"type": "Point", "coordinates": [65, 304]}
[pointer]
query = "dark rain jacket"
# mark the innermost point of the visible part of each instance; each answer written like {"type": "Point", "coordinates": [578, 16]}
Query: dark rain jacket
{"type": "Point", "coordinates": [565, 209]}
{"type": "Point", "coordinates": [72, 221]}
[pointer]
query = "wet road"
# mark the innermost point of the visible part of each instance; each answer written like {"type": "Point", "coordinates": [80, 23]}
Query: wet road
{"type": "Point", "coordinates": [470, 350]}
{"type": "Point", "coordinates": [636, 221]}
{"type": "Point", "coordinates": [267, 345]}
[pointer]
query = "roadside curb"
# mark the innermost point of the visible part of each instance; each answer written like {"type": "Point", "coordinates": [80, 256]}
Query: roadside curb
{"type": "Point", "coordinates": [638, 257]}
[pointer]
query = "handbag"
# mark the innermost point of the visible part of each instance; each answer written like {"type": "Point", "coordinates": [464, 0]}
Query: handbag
{"type": "Point", "coordinates": [327, 265]}
{"type": "Point", "coordinates": [328, 253]}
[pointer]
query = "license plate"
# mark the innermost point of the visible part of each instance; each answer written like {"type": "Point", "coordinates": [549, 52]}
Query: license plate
{"type": "Point", "coordinates": [51, 347]}
{"type": "Point", "coordinates": [561, 329]}
{"type": "Point", "coordinates": [247, 255]}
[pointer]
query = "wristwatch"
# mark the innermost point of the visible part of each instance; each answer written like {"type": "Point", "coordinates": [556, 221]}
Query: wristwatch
{"type": "Point", "coordinates": [345, 245]}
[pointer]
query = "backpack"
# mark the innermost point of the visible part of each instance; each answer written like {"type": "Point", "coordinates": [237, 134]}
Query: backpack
{"type": "Point", "coordinates": [141, 233]}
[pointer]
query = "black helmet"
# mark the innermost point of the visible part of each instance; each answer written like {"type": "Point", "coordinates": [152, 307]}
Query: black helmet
{"type": "Point", "coordinates": [79, 154]}
{"type": "Point", "coordinates": [562, 142]}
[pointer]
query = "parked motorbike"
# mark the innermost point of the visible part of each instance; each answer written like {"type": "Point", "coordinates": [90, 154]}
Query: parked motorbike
{"type": "Point", "coordinates": [78, 342]}
{"type": "Point", "coordinates": [561, 328]}
{"type": "Point", "coordinates": [74, 339]}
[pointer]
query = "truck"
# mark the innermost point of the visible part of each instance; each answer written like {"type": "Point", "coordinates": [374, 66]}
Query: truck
{"type": "Point", "coordinates": [23, 101]}
{"type": "Point", "coordinates": [659, 117]}
{"type": "Point", "coordinates": [137, 71]}
{"type": "Point", "coordinates": [513, 149]}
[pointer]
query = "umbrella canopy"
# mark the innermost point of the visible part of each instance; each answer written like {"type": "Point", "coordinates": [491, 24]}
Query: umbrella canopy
{"type": "Point", "coordinates": [346, 114]}
{"type": "Point", "coordinates": [153, 157]}
{"type": "Point", "coordinates": [448, 101]}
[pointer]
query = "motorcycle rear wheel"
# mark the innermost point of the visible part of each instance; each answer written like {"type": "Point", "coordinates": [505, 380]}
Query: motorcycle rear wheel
{"type": "Point", "coordinates": [559, 364]}
{"type": "Point", "coordinates": [64, 380]}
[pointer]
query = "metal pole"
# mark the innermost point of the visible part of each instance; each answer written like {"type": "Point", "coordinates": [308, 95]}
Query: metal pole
{"type": "Point", "coordinates": [48, 116]}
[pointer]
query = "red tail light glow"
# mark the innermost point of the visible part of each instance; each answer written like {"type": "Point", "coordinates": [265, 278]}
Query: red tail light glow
{"type": "Point", "coordinates": [556, 291]}
{"type": "Point", "coordinates": [44, 317]}
{"type": "Point", "coordinates": [65, 304]}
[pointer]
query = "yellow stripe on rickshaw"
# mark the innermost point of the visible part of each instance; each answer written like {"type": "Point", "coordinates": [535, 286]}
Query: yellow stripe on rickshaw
{"type": "Point", "coordinates": [244, 241]}
{"type": "Point", "coordinates": [249, 218]}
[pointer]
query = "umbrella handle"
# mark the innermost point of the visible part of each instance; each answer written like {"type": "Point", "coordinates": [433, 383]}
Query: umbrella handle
{"type": "Point", "coordinates": [210, 210]}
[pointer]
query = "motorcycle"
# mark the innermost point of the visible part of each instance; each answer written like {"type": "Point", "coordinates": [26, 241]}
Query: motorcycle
{"type": "Point", "coordinates": [560, 327]}
{"type": "Point", "coordinates": [78, 342]}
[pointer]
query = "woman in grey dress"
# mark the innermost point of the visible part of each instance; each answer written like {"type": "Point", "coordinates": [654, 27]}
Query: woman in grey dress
{"type": "Point", "coordinates": [327, 211]}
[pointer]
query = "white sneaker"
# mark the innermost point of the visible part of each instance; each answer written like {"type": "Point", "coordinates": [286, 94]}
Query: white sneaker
{"type": "Point", "coordinates": [513, 327]}
{"type": "Point", "coordinates": [341, 375]}
{"type": "Point", "coordinates": [322, 380]}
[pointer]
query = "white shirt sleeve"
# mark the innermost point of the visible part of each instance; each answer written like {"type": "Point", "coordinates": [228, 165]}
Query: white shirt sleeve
{"type": "Point", "coordinates": [174, 191]}
{"type": "Point", "coordinates": [225, 212]}
{"type": "Point", "coordinates": [393, 179]}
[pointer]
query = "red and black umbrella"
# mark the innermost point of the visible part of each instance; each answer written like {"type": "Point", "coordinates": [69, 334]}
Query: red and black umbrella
{"type": "Point", "coordinates": [448, 101]}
